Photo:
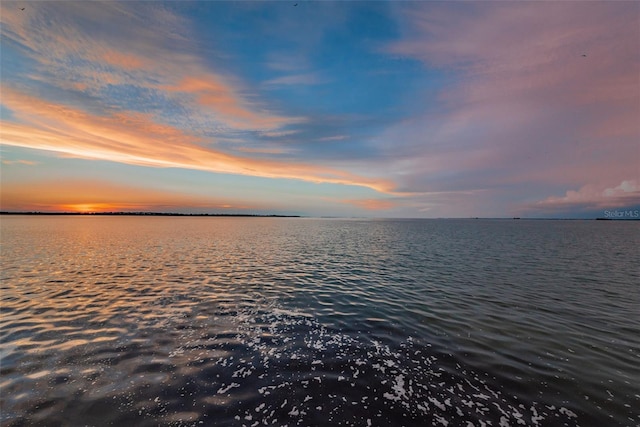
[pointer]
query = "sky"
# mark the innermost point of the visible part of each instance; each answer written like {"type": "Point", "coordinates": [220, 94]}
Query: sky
{"type": "Point", "coordinates": [365, 109]}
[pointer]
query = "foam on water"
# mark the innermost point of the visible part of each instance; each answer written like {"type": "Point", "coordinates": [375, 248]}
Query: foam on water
{"type": "Point", "coordinates": [272, 366]}
{"type": "Point", "coordinates": [290, 361]}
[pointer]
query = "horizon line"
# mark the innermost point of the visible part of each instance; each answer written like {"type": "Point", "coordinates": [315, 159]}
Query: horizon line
{"type": "Point", "coordinates": [146, 213]}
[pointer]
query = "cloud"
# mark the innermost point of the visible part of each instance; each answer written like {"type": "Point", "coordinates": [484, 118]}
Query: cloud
{"type": "Point", "coordinates": [589, 198]}
{"type": "Point", "coordinates": [522, 107]}
{"type": "Point", "coordinates": [136, 139]}
{"type": "Point", "coordinates": [303, 79]}
{"type": "Point", "coordinates": [278, 134]}
{"type": "Point", "coordinates": [262, 150]}
{"type": "Point", "coordinates": [151, 57]}
{"type": "Point", "coordinates": [144, 94]}
{"type": "Point", "coordinates": [333, 138]}
{"type": "Point", "coordinates": [519, 114]}
{"type": "Point", "coordinates": [124, 61]}
{"type": "Point", "coordinates": [19, 162]}
{"type": "Point", "coordinates": [211, 92]}
{"type": "Point", "coordinates": [371, 204]}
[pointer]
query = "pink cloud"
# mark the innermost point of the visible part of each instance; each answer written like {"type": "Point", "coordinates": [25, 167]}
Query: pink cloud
{"type": "Point", "coordinates": [526, 108]}
{"type": "Point", "coordinates": [371, 204]}
{"type": "Point", "coordinates": [592, 196]}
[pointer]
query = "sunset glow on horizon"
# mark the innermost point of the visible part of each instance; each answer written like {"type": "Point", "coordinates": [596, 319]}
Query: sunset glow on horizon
{"type": "Point", "coordinates": [377, 109]}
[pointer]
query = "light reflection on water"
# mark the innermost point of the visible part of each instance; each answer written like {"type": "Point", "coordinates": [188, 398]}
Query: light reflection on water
{"type": "Point", "coordinates": [232, 321]}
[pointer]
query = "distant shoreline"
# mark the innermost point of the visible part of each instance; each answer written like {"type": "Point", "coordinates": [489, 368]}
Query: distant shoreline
{"type": "Point", "coordinates": [146, 214]}
{"type": "Point", "coordinates": [176, 214]}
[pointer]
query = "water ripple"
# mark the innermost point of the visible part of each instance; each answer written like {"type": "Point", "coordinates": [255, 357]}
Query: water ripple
{"type": "Point", "coordinates": [159, 321]}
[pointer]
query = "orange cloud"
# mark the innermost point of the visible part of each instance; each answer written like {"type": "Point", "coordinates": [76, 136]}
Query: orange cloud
{"type": "Point", "coordinates": [123, 60]}
{"type": "Point", "coordinates": [136, 139]}
{"type": "Point", "coordinates": [210, 91]}
{"type": "Point", "coordinates": [19, 162]}
{"type": "Point", "coordinates": [150, 50]}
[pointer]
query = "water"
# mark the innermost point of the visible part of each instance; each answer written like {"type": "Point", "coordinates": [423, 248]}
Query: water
{"type": "Point", "coordinates": [274, 321]}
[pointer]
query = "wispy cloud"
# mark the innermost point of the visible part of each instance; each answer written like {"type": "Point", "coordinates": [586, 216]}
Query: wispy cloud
{"type": "Point", "coordinates": [150, 97]}
{"type": "Point", "coordinates": [303, 79]}
{"type": "Point", "coordinates": [211, 92]}
{"type": "Point", "coordinates": [19, 162]}
{"type": "Point", "coordinates": [371, 204]}
{"type": "Point", "coordinates": [137, 139]}
{"type": "Point", "coordinates": [262, 150]}
{"type": "Point", "coordinates": [540, 95]}
{"type": "Point", "coordinates": [278, 133]}
{"type": "Point", "coordinates": [333, 138]}
{"type": "Point", "coordinates": [448, 108]}
{"type": "Point", "coordinates": [151, 53]}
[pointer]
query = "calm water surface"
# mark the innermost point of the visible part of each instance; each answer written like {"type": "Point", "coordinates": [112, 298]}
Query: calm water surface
{"type": "Point", "coordinates": [274, 321]}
